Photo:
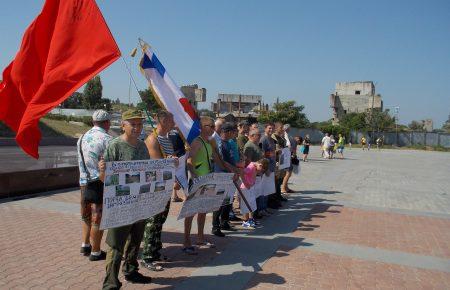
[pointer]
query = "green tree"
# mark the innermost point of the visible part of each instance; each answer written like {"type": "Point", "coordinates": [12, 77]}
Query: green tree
{"type": "Point", "coordinates": [415, 126]}
{"type": "Point", "coordinates": [382, 121]}
{"type": "Point", "coordinates": [148, 101]}
{"type": "Point", "coordinates": [92, 93]}
{"type": "Point", "coordinates": [354, 121]}
{"type": "Point", "coordinates": [75, 101]}
{"type": "Point", "coordinates": [286, 112]}
{"type": "Point", "coordinates": [446, 126]}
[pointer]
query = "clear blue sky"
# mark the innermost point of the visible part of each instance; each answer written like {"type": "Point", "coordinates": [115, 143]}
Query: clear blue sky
{"type": "Point", "coordinates": [294, 50]}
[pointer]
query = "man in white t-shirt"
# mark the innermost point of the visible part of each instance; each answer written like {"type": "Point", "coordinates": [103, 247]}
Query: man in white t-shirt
{"type": "Point", "coordinates": [326, 141]}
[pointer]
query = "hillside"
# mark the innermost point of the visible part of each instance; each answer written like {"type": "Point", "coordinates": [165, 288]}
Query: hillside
{"type": "Point", "coordinates": [52, 128]}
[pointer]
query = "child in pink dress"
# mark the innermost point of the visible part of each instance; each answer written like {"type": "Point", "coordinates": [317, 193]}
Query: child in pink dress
{"type": "Point", "coordinates": [248, 181]}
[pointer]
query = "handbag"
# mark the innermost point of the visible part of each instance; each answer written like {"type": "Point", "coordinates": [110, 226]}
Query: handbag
{"type": "Point", "coordinates": [93, 192]}
{"type": "Point", "coordinates": [295, 161]}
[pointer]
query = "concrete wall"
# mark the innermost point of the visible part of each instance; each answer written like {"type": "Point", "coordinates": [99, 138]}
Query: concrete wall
{"type": "Point", "coordinates": [349, 88]}
{"type": "Point", "coordinates": [27, 182]}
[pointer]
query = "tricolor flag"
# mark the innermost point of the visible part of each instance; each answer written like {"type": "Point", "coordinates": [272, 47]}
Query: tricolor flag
{"type": "Point", "coordinates": [170, 95]}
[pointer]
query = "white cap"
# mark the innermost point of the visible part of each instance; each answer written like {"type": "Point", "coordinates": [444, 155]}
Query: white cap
{"type": "Point", "coordinates": [101, 115]}
{"type": "Point", "coordinates": [286, 126]}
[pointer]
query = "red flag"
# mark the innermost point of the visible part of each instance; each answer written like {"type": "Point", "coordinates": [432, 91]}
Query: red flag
{"type": "Point", "coordinates": [65, 46]}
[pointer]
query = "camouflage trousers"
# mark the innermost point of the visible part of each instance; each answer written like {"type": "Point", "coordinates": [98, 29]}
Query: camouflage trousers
{"type": "Point", "coordinates": [152, 235]}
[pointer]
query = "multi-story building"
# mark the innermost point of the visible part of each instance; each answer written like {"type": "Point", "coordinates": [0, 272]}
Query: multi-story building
{"type": "Point", "coordinates": [354, 97]}
{"type": "Point", "coordinates": [240, 106]}
{"type": "Point", "coordinates": [194, 94]}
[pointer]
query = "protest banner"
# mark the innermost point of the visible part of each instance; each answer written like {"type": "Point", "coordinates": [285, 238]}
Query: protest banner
{"type": "Point", "coordinates": [207, 194]}
{"type": "Point", "coordinates": [136, 190]}
{"type": "Point", "coordinates": [285, 158]}
{"type": "Point", "coordinates": [268, 184]}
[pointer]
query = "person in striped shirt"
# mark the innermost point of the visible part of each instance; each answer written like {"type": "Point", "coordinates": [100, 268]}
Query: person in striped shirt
{"type": "Point", "coordinates": [159, 146]}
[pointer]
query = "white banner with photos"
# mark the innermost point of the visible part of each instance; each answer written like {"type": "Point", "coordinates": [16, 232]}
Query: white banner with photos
{"type": "Point", "coordinates": [285, 159]}
{"type": "Point", "coordinates": [136, 190]}
{"type": "Point", "coordinates": [207, 194]}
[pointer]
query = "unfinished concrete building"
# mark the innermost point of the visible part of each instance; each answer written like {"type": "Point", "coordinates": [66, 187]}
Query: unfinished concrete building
{"type": "Point", "coordinates": [354, 97]}
{"type": "Point", "coordinates": [240, 106]}
{"type": "Point", "coordinates": [194, 94]}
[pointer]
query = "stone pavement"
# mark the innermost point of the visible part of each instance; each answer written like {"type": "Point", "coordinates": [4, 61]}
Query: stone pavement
{"type": "Point", "coordinates": [375, 220]}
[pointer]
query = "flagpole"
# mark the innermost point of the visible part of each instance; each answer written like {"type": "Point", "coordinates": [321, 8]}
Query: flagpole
{"type": "Point", "coordinates": [137, 90]}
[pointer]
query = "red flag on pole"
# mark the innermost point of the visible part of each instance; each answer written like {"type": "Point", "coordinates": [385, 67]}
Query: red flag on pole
{"type": "Point", "coordinates": [65, 46]}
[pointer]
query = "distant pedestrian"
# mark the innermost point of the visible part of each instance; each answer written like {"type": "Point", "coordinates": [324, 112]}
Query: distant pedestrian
{"type": "Point", "coordinates": [379, 142]}
{"type": "Point", "coordinates": [90, 148]}
{"type": "Point", "coordinates": [325, 144]}
{"type": "Point", "coordinates": [331, 148]}
{"type": "Point", "coordinates": [306, 144]}
{"type": "Point", "coordinates": [341, 145]}
{"type": "Point", "coordinates": [363, 142]}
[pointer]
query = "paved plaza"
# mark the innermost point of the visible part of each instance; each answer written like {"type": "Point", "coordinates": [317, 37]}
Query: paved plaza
{"type": "Point", "coordinates": [375, 220]}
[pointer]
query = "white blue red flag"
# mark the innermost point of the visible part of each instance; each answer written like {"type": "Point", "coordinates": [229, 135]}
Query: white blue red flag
{"type": "Point", "coordinates": [170, 95]}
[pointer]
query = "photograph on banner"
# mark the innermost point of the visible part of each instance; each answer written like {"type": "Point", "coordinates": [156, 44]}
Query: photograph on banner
{"type": "Point", "coordinates": [207, 193]}
{"type": "Point", "coordinates": [285, 158]}
{"type": "Point", "coordinates": [136, 190]}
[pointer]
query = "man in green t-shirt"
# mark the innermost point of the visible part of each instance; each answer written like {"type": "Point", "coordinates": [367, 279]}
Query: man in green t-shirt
{"type": "Point", "coordinates": [252, 152]}
{"type": "Point", "coordinates": [125, 239]}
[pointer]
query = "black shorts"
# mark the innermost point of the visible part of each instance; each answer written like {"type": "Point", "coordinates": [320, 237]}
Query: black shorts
{"type": "Point", "coordinates": [93, 192]}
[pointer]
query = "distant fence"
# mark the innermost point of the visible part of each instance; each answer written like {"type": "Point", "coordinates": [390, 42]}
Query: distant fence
{"type": "Point", "coordinates": [405, 138]}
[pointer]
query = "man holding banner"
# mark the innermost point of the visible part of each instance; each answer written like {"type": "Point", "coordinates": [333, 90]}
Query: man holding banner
{"type": "Point", "coordinates": [159, 146]}
{"type": "Point", "coordinates": [126, 147]}
{"type": "Point", "coordinates": [200, 163]}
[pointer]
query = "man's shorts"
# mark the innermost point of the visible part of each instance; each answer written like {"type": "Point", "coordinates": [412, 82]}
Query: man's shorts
{"type": "Point", "coordinates": [90, 212]}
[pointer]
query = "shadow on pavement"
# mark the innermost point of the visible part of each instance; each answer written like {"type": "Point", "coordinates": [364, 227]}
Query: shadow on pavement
{"type": "Point", "coordinates": [236, 262]}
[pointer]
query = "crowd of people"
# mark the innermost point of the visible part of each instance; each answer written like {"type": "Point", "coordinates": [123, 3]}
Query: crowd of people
{"type": "Point", "coordinates": [250, 151]}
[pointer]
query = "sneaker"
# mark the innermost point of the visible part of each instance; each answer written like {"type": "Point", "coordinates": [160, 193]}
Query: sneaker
{"type": "Point", "coordinates": [254, 222]}
{"type": "Point", "coordinates": [86, 251]}
{"type": "Point", "coordinates": [247, 225]}
{"type": "Point", "coordinates": [218, 232]}
{"type": "Point", "coordinates": [136, 277]}
{"type": "Point", "coordinates": [100, 257]}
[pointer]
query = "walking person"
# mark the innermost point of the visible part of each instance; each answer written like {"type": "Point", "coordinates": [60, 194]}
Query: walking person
{"type": "Point", "coordinates": [341, 145]}
{"type": "Point", "coordinates": [124, 241]}
{"type": "Point", "coordinates": [331, 147]}
{"type": "Point", "coordinates": [325, 146]}
{"type": "Point", "coordinates": [90, 148]}
{"type": "Point", "coordinates": [363, 142]}
{"type": "Point", "coordinates": [306, 144]}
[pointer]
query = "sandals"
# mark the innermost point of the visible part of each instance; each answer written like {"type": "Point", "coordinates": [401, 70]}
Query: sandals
{"type": "Point", "coordinates": [152, 266]}
{"type": "Point", "coordinates": [189, 251]}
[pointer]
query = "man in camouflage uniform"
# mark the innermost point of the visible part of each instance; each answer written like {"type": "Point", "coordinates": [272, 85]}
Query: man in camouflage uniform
{"type": "Point", "coordinates": [124, 241]}
{"type": "Point", "coordinates": [159, 146]}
